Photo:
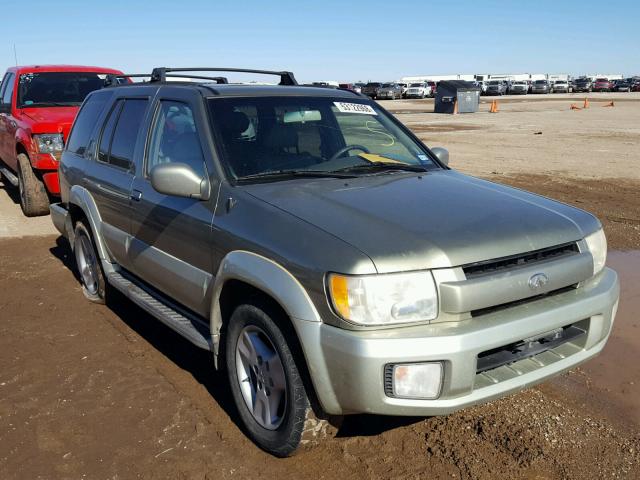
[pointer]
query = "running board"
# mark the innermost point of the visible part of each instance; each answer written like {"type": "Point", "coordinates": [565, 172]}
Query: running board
{"type": "Point", "coordinates": [8, 174]}
{"type": "Point", "coordinates": [192, 329]}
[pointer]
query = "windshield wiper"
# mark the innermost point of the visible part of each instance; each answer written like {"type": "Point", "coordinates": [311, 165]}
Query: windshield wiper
{"type": "Point", "coordinates": [381, 167]}
{"type": "Point", "coordinates": [49, 104]}
{"type": "Point", "coordinates": [284, 174]}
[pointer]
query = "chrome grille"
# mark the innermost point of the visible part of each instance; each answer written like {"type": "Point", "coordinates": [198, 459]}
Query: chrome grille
{"type": "Point", "coordinates": [505, 263]}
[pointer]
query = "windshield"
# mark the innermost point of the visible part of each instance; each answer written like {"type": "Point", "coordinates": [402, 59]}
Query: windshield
{"type": "Point", "coordinates": [387, 85]}
{"type": "Point", "coordinates": [495, 82]}
{"type": "Point", "coordinates": [310, 134]}
{"type": "Point", "coordinates": [541, 82]}
{"type": "Point", "coordinates": [45, 89]}
{"type": "Point", "coordinates": [416, 85]}
{"type": "Point", "coordinates": [373, 84]}
{"type": "Point", "coordinates": [602, 80]}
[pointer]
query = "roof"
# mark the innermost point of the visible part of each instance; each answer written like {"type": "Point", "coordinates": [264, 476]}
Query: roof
{"type": "Point", "coordinates": [273, 90]}
{"type": "Point", "coordinates": [61, 68]}
{"type": "Point", "coordinates": [249, 90]}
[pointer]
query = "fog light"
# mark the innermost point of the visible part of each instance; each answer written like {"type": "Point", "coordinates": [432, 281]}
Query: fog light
{"type": "Point", "coordinates": [418, 380]}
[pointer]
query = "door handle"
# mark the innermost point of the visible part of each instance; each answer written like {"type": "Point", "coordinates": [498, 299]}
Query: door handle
{"type": "Point", "coordinates": [136, 195]}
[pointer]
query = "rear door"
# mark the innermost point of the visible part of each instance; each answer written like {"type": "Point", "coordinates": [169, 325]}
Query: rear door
{"type": "Point", "coordinates": [109, 178]}
{"type": "Point", "coordinates": [171, 246]}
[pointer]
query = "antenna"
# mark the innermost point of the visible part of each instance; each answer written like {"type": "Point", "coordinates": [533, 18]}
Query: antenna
{"type": "Point", "coordinates": [15, 54]}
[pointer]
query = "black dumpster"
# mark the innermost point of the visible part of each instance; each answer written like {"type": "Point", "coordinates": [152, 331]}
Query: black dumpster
{"type": "Point", "coordinates": [466, 94]}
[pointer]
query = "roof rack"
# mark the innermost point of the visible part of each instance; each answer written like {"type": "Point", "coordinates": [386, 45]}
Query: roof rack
{"type": "Point", "coordinates": [112, 79]}
{"type": "Point", "coordinates": [159, 74]}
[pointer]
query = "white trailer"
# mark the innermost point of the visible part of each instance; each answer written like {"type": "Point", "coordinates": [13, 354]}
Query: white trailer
{"type": "Point", "coordinates": [608, 76]}
{"type": "Point", "coordinates": [436, 78]}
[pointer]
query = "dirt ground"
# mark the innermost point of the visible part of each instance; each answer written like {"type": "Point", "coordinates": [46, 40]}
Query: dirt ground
{"type": "Point", "coordinates": [106, 392]}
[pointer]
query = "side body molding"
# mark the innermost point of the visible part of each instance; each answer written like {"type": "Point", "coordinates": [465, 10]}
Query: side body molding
{"type": "Point", "coordinates": [268, 276]}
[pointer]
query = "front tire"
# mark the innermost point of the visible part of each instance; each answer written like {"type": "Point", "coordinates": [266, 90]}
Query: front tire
{"type": "Point", "coordinates": [92, 278]}
{"type": "Point", "coordinates": [266, 385]}
{"type": "Point", "coordinates": [34, 200]}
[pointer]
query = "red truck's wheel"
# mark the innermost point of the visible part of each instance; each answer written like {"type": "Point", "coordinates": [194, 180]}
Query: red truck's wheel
{"type": "Point", "coordinates": [34, 200]}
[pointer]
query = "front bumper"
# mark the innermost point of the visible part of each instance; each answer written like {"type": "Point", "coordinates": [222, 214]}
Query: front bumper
{"type": "Point", "coordinates": [347, 367]}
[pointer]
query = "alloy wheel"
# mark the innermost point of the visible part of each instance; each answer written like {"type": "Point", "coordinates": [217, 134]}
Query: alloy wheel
{"type": "Point", "coordinates": [87, 264]}
{"type": "Point", "coordinates": [261, 377]}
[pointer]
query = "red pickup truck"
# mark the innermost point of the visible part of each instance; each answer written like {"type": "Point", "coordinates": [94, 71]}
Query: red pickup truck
{"type": "Point", "coordinates": [37, 107]}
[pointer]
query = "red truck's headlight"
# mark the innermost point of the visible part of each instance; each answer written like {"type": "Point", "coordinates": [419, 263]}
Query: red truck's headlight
{"type": "Point", "coordinates": [49, 142]}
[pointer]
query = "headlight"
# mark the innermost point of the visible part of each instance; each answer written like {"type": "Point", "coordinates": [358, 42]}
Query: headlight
{"type": "Point", "coordinates": [597, 245]}
{"type": "Point", "coordinates": [384, 299]}
{"type": "Point", "coordinates": [49, 142]}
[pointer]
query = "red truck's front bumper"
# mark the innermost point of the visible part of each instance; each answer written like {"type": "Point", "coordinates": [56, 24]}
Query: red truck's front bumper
{"type": "Point", "coordinates": [47, 164]}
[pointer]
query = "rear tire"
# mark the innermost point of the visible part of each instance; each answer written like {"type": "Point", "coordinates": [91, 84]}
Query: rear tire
{"type": "Point", "coordinates": [266, 384]}
{"type": "Point", "coordinates": [34, 200]}
{"type": "Point", "coordinates": [94, 286]}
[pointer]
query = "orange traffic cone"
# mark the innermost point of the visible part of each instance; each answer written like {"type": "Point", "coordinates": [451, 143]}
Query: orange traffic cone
{"type": "Point", "coordinates": [575, 107]}
{"type": "Point", "coordinates": [586, 103]}
{"type": "Point", "coordinates": [455, 106]}
{"type": "Point", "coordinates": [610, 104]}
{"type": "Point", "coordinates": [494, 107]}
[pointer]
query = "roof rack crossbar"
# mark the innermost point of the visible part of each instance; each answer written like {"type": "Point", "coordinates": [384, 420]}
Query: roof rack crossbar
{"type": "Point", "coordinates": [159, 74]}
{"type": "Point", "coordinates": [200, 77]}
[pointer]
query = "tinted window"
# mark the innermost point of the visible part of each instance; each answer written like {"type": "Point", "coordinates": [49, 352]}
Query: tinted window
{"type": "Point", "coordinates": [175, 138]}
{"type": "Point", "coordinates": [270, 134]}
{"type": "Point", "coordinates": [84, 123]}
{"type": "Point", "coordinates": [4, 84]}
{"type": "Point", "coordinates": [8, 89]}
{"type": "Point", "coordinates": [107, 132]}
{"type": "Point", "coordinates": [126, 132]}
{"type": "Point", "coordinates": [41, 89]}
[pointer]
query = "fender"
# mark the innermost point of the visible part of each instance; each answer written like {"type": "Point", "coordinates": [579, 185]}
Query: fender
{"type": "Point", "coordinates": [23, 138]}
{"type": "Point", "coordinates": [273, 279]}
{"type": "Point", "coordinates": [80, 197]}
{"type": "Point", "coordinates": [266, 275]}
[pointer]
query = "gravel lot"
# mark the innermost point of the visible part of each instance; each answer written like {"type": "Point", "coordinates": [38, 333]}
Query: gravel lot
{"type": "Point", "coordinates": [101, 392]}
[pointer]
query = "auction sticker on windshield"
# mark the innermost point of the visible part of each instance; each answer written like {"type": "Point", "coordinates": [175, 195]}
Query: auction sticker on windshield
{"type": "Point", "coordinates": [345, 107]}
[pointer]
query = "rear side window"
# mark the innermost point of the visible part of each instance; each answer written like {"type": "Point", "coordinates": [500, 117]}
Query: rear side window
{"type": "Point", "coordinates": [119, 137]}
{"type": "Point", "coordinates": [85, 122]}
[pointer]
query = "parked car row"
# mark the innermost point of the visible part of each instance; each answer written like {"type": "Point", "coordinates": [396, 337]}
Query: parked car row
{"type": "Point", "coordinates": [396, 90]}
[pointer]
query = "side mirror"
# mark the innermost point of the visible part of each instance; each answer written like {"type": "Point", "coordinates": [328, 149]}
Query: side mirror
{"type": "Point", "coordinates": [442, 154]}
{"type": "Point", "coordinates": [179, 180]}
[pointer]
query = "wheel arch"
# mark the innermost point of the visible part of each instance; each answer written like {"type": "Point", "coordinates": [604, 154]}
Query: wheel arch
{"type": "Point", "coordinates": [81, 205]}
{"type": "Point", "coordinates": [245, 275]}
{"type": "Point", "coordinates": [246, 270]}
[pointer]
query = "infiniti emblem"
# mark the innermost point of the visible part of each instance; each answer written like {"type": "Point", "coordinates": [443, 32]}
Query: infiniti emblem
{"type": "Point", "coordinates": [538, 280]}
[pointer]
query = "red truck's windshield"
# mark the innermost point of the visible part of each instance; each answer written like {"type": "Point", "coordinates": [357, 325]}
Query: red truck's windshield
{"type": "Point", "coordinates": [47, 89]}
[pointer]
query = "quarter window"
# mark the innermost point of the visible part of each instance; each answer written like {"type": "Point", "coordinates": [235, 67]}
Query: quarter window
{"type": "Point", "coordinates": [85, 121]}
{"type": "Point", "coordinates": [174, 138]}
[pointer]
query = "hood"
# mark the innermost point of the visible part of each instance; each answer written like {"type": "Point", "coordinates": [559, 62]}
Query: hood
{"type": "Point", "coordinates": [51, 119]}
{"type": "Point", "coordinates": [440, 219]}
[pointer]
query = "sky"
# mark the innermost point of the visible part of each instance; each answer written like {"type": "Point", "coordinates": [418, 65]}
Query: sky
{"type": "Point", "coordinates": [368, 40]}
